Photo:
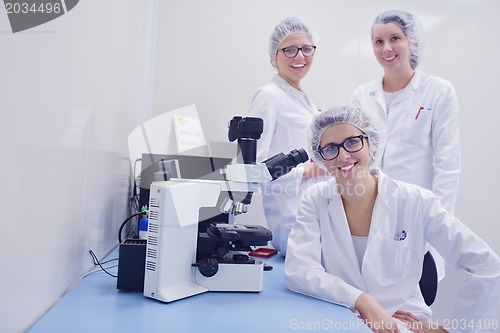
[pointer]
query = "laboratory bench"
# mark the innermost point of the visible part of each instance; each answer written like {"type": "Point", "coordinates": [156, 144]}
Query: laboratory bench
{"type": "Point", "coordinates": [96, 305]}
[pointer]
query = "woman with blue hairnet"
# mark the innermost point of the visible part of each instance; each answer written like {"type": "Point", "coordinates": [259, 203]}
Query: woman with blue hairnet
{"type": "Point", "coordinates": [287, 112]}
{"type": "Point", "coordinates": [360, 236]}
{"type": "Point", "coordinates": [419, 112]}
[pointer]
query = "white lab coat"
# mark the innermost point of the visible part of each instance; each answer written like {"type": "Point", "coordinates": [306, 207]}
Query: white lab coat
{"type": "Point", "coordinates": [321, 260]}
{"type": "Point", "coordinates": [423, 151]}
{"type": "Point", "coordinates": [287, 113]}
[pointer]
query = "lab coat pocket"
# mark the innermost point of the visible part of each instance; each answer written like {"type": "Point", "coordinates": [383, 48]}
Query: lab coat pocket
{"type": "Point", "coordinates": [395, 258]}
{"type": "Point", "coordinates": [418, 128]}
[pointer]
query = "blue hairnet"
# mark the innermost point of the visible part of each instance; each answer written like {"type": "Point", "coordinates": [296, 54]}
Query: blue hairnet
{"type": "Point", "coordinates": [285, 28]}
{"type": "Point", "coordinates": [412, 28]}
{"type": "Point", "coordinates": [345, 114]}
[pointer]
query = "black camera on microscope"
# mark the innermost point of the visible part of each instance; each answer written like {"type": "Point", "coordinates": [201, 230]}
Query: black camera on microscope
{"type": "Point", "coordinates": [247, 130]}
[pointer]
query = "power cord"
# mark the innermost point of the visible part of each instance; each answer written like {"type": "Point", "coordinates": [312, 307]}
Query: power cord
{"type": "Point", "coordinates": [136, 187]}
{"type": "Point", "coordinates": [125, 222]}
{"type": "Point", "coordinates": [96, 262]}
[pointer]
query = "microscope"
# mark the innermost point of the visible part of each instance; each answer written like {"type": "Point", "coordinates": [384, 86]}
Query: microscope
{"type": "Point", "coordinates": [183, 261]}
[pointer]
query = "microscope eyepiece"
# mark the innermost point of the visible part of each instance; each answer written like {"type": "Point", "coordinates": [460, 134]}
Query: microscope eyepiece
{"type": "Point", "coordinates": [247, 131]}
{"type": "Point", "coordinates": [298, 156]}
{"type": "Point", "coordinates": [281, 164]}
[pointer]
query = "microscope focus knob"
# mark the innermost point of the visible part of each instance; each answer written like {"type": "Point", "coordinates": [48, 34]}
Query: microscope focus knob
{"type": "Point", "coordinates": [208, 267]}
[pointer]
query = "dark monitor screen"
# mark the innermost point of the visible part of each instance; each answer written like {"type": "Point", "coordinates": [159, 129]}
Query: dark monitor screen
{"type": "Point", "coordinates": [191, 167]}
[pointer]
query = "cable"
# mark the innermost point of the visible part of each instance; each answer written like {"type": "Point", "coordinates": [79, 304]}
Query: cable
{"type": "Point", "coordinates": [136, 183]}
{"type": "Point", "coordinates": [135, 188]}
{"type": "Point", "coordinates": [109, 260]}
{"type": "Point", "coordinates": [97, 270]}
{"type": "Point", "coordinates": [134, 172]}
{"type": "Point", "coordinates": [96, 262]}
{"type": "Point", "coordinates": [125, 222]}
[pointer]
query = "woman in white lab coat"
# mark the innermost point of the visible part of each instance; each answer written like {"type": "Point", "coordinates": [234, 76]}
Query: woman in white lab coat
{"type": "Point", "coordinates": [419, 112]}
{"type": "Point", "coordinates": [287, 112]}
{"type": "Point", "coordinates": [359, 238]}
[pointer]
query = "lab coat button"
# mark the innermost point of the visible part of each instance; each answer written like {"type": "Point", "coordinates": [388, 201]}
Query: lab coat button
{"type": "Point", "coordinates": [369, 265]}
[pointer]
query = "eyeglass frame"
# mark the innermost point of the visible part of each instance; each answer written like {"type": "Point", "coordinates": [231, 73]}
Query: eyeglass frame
{"type": "Point", "coordinates": [341, 145]}
{"type": "Point", "coordinates": [298, 49]}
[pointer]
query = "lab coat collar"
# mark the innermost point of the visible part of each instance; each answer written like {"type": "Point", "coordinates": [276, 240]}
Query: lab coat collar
{"type": "Point", "coordinates": [381, 210]}
{"type": "Point", "coordinates": [386, 186]}
{"type": "Point", "coordinates": [299, 95]}
{"type": "Point", "coordinates": [414, 84]}
{"type": "Point", "coordinates": [281, 82]}
{"type": "Point", "coordinates": [376, 87]}
{"type": "Point", "coordinates": [377, 91]}
{"type": "Point", "coordinates": [341, 227]}
{"type": "Point", "coordinates": [330, 191]}
{"type": "Point", "coordinates": [417, 80]}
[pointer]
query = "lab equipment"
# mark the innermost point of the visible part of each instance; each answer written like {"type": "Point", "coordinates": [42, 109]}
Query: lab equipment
{"type": "Point", "coordinates": [131, 265]}
{"type": "Point", "coordinates": [143, 227]}
{"type": "Point", "coordinates": [263, 252]}
{"type": "Point", "coordinates": [180, 260]}
{"type": "Point", "coordinates": [191, 167]}
{"type": "Point", "coordinates": [163, 167]}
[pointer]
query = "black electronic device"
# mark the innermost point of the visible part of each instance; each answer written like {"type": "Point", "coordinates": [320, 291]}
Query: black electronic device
{"type": "Point", "coordinates": [191, 167]}
{"type": "Point", "coordinates": [246, 131]}
{"type": "Point", "coordinates": [131, 263]}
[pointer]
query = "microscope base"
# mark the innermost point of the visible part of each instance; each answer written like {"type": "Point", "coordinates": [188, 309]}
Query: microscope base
{"type": "Point", "coordinates": [234, 277]}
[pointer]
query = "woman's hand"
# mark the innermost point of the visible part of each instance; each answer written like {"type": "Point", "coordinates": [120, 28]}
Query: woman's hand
{"type": "Point", "coordinates": [312, 170]}
{"type": "Point", "coordinates": [415, 324]}
{"type": "Point", "coordinates": [374, 316]}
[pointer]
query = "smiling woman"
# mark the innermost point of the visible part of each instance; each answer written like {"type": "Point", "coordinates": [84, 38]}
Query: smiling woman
{"type": "Point", "coordinates": [294, 58]}
{"type": "Point", "coordinates": [422, 148]}
{"type": "Point", "coordinates": [380, 227]}
{"type": "Point", "coordinates": [287, 112]}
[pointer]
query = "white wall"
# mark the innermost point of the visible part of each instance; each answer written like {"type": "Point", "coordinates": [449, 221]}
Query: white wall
{"type": "Point", "coordinates": [70, 92]}
{"type": "Point", "coordinates": [213, 54]}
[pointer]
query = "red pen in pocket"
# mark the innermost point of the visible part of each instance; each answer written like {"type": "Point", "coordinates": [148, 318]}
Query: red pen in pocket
{"type": "Point", "coordinates": [418, 113]}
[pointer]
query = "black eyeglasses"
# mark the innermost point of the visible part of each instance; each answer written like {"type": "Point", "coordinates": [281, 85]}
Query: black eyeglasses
{"type": "Point", "coordinates": [350, 145]}
{"type": "Point", "coordinates": [292, 51]}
